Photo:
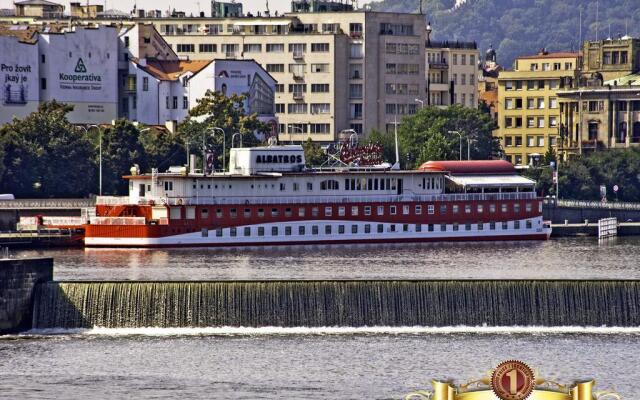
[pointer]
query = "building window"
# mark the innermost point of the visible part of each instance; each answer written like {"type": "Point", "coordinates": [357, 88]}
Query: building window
{"type": "Point", "coordinates": [252, 48]}
{"type": "Point", "coordinates": [319, 47]}
{"type": "Point", "coordinates": [43, 83]}
{"type": "Point", "coordinates": [175, 102]}
{"type": "Point", "coordinates": [320, 108]}
{"type": "Point", "coordinates": [275, 48]}
{"type": "Point", "coordinates": [355, 91]}
{"type": "Point", "coordinates": [317, 68]}
{"type": "Point", "coordinates": [185, 48]}
{"type": "Point", "coordinates": [185, 102]}
{"type": "Point", "coordinates": [319, 88]}
{"type": "Point", "coordinates": [279, 108]}
{"type": "Point", "coordinates": [207, 48]}
{"type": "Point", "coordinates": [275, 67]}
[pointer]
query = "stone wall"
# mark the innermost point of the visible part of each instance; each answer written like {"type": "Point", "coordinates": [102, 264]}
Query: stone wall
{"type": "Point", "coordinates": [17, 281]}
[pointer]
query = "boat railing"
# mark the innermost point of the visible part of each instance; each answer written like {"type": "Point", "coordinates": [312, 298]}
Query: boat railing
{"type": "Point", "coordinates": [208, 200]}
{"type": "Point", "coordinates": [113, 200]}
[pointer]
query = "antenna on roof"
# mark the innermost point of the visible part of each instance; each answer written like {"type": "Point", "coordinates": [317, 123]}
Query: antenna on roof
{"type": "Point", "coordinates": [267, 5]}
{"type": "Point", "coordinates": [597, 19]}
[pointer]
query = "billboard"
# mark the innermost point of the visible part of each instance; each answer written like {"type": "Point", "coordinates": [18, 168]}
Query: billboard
{"type": "Point", "coordinates": [19, 78]}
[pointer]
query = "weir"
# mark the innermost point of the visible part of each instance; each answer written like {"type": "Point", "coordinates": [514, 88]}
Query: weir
{"type": "Point", "coordinates": [337, 303]}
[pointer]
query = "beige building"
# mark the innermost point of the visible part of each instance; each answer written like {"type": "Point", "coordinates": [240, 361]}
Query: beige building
{"type": "Point", "coordinates": [79, 10]}
{"type": "Point", "coordinates": [528, 107]}
{"type": "Point", "coordinates": [611, 58]}
{"type": "Point", "coordinates": [336, 71]}
{"type": "Point", "coordinates": [38, 8]}
{"type": "Point", "coordinates": [451, 73]}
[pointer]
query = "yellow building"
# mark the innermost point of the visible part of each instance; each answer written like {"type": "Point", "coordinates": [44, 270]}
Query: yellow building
{"type": "Point", "coordinates": [528, 109]}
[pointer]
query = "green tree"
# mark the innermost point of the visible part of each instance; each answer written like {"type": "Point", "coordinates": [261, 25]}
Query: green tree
{"type": "Point", "coordinates": [426, 135]}
{"type": "Point", "coordinates": [121, 149]}
{"type": "Point", "coordinates": [161, 148]}
{"type": "Point", "coordinates": [45, 156]}
{"type": "Point", "coordinates": [227, 112]}
{"type": "Point", "coordinates": [386, 140]}
{"type": "Point", "coordinates": [313, 153]}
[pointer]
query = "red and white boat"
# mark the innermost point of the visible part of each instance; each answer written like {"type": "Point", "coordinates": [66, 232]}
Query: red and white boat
{"type": "Point", "coordinates": [268, 197]}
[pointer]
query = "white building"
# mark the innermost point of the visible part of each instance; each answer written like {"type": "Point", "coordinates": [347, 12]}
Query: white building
{"type": "Point", "coordinates": [165, 90]}
{"type": "Point", "coordinates": [78, 67]}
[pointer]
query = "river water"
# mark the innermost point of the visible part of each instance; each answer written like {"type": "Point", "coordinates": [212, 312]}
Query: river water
{"type": "Point", "coordinates": [320, 363]}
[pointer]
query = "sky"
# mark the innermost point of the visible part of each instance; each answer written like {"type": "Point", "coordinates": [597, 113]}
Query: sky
{"type": "Point", "coordinates": [190, 6]}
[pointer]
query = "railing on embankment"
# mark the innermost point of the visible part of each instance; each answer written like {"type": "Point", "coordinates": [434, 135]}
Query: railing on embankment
{"type": "Point", "coordinates": [577, 211]}
{"type": "Point", "coordinates": [337, 303]}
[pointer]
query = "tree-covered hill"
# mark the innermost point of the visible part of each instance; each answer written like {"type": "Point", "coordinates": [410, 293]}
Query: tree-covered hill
{"type": "Point", "coordinates": [520, 27]}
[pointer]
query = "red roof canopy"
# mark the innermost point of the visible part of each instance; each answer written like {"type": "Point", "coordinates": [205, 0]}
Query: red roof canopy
{"type": "Point", "coordinates": [470, 167]}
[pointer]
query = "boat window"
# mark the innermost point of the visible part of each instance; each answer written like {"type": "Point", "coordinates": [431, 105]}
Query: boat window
{"type": "Point", "coordinates": [274, 231]}
{"type": "Point", "coordinates": [392, 228]}
{"type": "Point", "coordinates": [247, 212]}
{"type": "Point", "coordinates": [492, 208]}
{"type": "Point", "coordinates": [341, 229]}
{"type": "Point", "coordinates": [314, 229]}
{"type": "Point", "coordinates": [516, 224]}
{"type": "Point", "coordinates": [301, 211]}
{"type": "Point", "coordinates": [309, 186]}
{"type": "Point", "coordinates": [329, 184]}
{"type": "Point", "coordinates": [367, 228]}
{"type": "Point", "coordinates": [205, 232]}
{"type": "Point", "coordinates": [527, 207]}
{"type": "Point", "coordinates": [380, 210]}
{"type": "Point", "coordinates": [232, 232]}
{"type": "Point", "coordinates": [314, 211]}
{"type": "Point", "coordinates": [456, 208]}
{"type": "Point", "coordinates": [282, 187]}
{"type": "Point", "coordinates": [219, 232]}
{"type": "Point", "coordinates": [341, 211]}
{"type": "Point", "coordinates": [480, 208]}
{"type": "Point", "coordinates": [367, 210]}
{"type": "Point", "coordinates": [274, 212]}
{"type": "Point", "coordinates": [327, 229]}
{"type": "Point", "coordinates": [405, 227]}
{"type": "Point", "coordinates": [247, 231]}
{"type": "Point", "coordinates": [505, 225]}
{"type": "Point", "coordinates": [287, 230]}
{"type": "Point", "coordinates": [375, 184]}
{"type": "Point", "coordinates": [354, 210]}
{"type": "Point", "coordinates": [204, 213]}
{"type": "Point", "coordinates": [405, 209]}
{"type": "Point", "coordinates": [418, 227]}
{"type": "Point", "coordinates": [431, 209]}
{"type": "Point", "coordinates": [467, 208]}
{"type": "Point", "coordinates": [301, 230]}
{"type": "Point", "coordinates": [467, 226]}
{"type": "Point", "coordinates": [443, 227]}
{"type": "Point", "coordinates": [380, 228]}
{"type": "Point", "coordinates": [529, 224]}
{"type": "Point", "coordinates": [168, 186]}
{"type": "Point", "coordinates": [260, 212]}
{"type": "Point", "coordinates": [288, 212]}
{"type": "Point", "coordinates": [443, 208]}
{"type": "Point", "coordinates": [503, 207]}
{"type": "Point", "coordinates": [516, 207]}
{"type": "Point", "coordinates": [480, 226]}
{"type": "Point", "coordinates": [233, 212]}
{"type": "Point", "coordinates": [260, 231]}
{"type": "Point", "coordinates": [370, 184]}
{"type": "Point", "coordinates": [296, 186]}
{"type": "Point", "coordinates": [328, 211]}
{"type": "Point", "coordinates": [392, 210]}
{"type": "Point", "coordinates": [218, 212]}
{"type": "Point", "coordinates": [492, 226]}
{"type": "Point", "coordinates": [430, 227]}
{"type": "Point", "coordinates": [354, 229]}
{"type": "Point", "coordinates": [418, 209]}
{"type": "Point", "coordinates": [346, 184]}
{"type": "Point", "coordinates": [455, 226]}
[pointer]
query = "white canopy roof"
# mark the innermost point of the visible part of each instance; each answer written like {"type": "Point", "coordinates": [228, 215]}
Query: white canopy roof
{"type": "Point", "coordinates": [491, 180]}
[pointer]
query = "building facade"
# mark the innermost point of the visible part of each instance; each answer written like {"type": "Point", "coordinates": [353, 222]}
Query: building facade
{"type": "Point", "coordinates": [64, 66]}
{"type": "Point", "coordinates": [528, 106]}
{"type": "Point", "coordinates": [452, 73]}
{"type": "Point", "coordinates": [38, 8]}
{"type": "Point", "coordinates": [611, 58]}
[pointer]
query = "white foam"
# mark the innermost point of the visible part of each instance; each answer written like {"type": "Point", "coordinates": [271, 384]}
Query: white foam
{"type": "Point", "coordinates": [328, 330]}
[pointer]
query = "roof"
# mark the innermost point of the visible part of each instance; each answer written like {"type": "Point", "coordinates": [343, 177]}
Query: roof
{"type": "Point", "coordinates": [470, 167]}
{"type": "Point", "coordinates": [491, 180]}
{"type": "Point", "coordinates": [24, 33]}
{"type": "Point", "coordinates": [632, 80]}
{"type": "Point", "coordinates": [171, 70]}
{"type": "Point", "coordinates": [36, 3]}
{"type": "Point", "coordinates": [560, 54]}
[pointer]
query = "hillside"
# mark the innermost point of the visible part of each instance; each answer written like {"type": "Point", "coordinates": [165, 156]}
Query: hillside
{"type": "Point", "coordinates": [518, 27]}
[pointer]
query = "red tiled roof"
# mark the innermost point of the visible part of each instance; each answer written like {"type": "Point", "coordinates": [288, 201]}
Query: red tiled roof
{"type": "Point", "coordinates": [166, 70]}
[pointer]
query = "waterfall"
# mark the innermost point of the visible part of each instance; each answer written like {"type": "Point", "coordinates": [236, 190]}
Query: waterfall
{"type": "Point", "coordinates": [337, 303]}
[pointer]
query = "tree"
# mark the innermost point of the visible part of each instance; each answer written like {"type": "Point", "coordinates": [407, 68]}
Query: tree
{"type": "Point", "coordinates": [386, 140]}
{"type": "Point", "coordinates": [227, 112]}
{"type": "Point", "coordinates": [45, 156]}
{"type": "Point", "coordinates": [121, 149]}
{"type": "Point", "coordinates": [313, 153]}
{"type": "Point", "coordinates": [425, 135]}
{"type": "Point", "coordinates": [162, 148]}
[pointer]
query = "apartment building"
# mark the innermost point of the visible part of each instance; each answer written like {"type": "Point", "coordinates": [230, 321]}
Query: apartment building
{"type": "Point", "coordinates": [451, 73]}
{"type": "Point", "coordinates": [528, 106]}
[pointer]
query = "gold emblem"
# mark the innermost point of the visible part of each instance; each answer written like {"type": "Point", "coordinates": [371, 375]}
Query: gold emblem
{"type": "Point", "coordinates": [513, 380]}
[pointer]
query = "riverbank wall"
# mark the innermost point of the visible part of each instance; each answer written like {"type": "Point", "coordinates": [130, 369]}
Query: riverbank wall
{"type": "Point", "coordinates": [18, 279]}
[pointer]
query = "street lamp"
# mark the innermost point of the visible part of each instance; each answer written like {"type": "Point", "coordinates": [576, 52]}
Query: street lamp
{"type": "Point", "coordinates": [291, 126]}
{"type": "Point", "coordinates": [421, 103]}
{"type": "Point", "coordinates": [86, 131]}
{"type": "Point", "coordinates": [460, 135]}
{"type": "Point", "coordinates": [215, 129]}
{"type": "Point", "coordinates": [428, 29]}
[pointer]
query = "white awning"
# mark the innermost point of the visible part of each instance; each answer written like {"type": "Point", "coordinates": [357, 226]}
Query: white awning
{"type": "Point", "coordinates": [491, 180]}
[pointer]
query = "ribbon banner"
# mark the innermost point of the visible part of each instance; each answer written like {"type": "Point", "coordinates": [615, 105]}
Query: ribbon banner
{"type": "Point", "coordinates": [506, 382]}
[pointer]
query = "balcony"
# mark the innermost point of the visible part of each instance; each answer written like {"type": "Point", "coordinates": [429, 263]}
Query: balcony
{"type": "Point", "coordinates": [355, 35]}
{"type": "Point", "coordinates": [298, 76]}
{"type": "Point", "coordinates": [438, 65]}
{"type": "Point", "coordinates": [298, 96]}
{"type": "Point", "coordinates": [298, 55]}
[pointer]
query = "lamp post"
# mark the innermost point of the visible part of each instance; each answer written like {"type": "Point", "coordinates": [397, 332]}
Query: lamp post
{"type": "Point", "coordinates": [291, 126]}
{"type": "Point", "coordinates": [460, 135]}
{"type": "Point", "coordinates": [428, 28]}
{"type": "Point", "coordinates": [215, 129]}
{"type": "Point", "coordinates": [86, 131]}
{"type": "Point", "coordinates": [421, 103]}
